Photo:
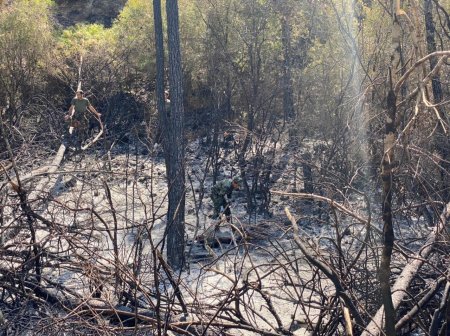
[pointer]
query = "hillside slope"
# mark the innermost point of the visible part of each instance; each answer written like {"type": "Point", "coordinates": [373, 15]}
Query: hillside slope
{"type": "Point", "coordinates": [69, 12]}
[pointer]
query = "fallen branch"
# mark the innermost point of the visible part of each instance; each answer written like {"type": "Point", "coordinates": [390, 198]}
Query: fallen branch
{"type": "Point", "coordinates": [331, 202]}
{"type": "Point", "coordinates": [419, 305]}
{"type": "Point", "coordinates": [96, 138]}
{"type": "Point", "coordinates": [51, 168]}
{"type": "Point", "coordinates": [348, 322]}
{"type": "Point", "coordinates": [4, 168]}
{"type": "Point", "coordinates": [16, 184]}
{"type": "Point", "coordinates": [401, 284]}
{"type": "Point", "coordinates": [46, 169]}
{"type": "Point", "coordinates": [328, 271]}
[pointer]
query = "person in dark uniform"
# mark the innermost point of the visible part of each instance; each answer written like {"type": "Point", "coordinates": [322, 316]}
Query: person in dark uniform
{"type": "Point", "coordinates": [221, 194]}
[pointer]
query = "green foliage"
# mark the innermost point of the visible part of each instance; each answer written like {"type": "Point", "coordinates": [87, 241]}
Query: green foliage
{"type": "Point", "coordinates": [192, 32]}
{"type": "Point", "coordinates": [116, 58]}
{"type": "Point", "coordinates": [84, 37]}
{"type": "Point", "coordinates": [135, 20]}
{"type": "Point", "coordinates": [26, 42]}
{"type": "Point", "coordinates": [92, 42]}
{"type": "Point", "coordinates": [134, 36]}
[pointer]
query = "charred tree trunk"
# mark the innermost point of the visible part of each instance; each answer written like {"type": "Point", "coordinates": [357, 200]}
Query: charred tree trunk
{"type": "Point", "coordinates": [387, 175]}
{"type": "Point", "coordinates": [307, 174]}
{"type": "Point", "coordinates": [442, 140]}
{"type": "Point", "coordinates": [159, 47]}
{"type": "Point", "coordinates": [431, 47]}
{"type": "Point", "coordinates": [288, 101]}
{"type": "Point", "coordinates": [175, 144]}
{"type": "Point", "coordinates": [388, 229]}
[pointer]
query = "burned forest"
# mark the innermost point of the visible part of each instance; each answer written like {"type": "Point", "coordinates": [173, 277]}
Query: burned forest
{"type": "Point", "coordinates": [225, 167]}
